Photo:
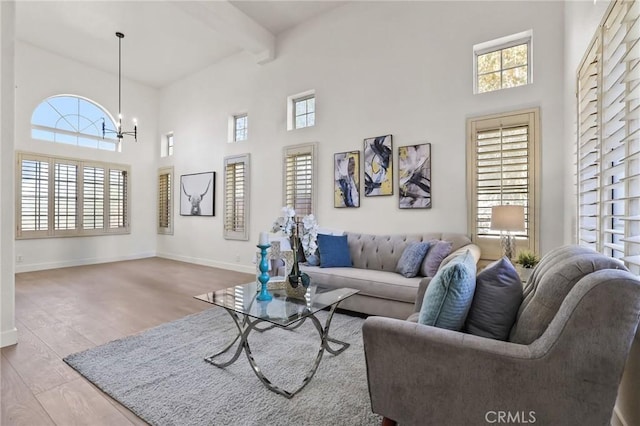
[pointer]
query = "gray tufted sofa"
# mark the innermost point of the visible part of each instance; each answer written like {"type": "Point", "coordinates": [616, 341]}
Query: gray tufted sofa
{"type": "Point", "coordinates": [383, 291]}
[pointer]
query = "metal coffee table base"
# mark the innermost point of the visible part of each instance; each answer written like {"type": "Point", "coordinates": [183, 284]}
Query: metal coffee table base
{"type": "Point", "coordinates": [245, 324]}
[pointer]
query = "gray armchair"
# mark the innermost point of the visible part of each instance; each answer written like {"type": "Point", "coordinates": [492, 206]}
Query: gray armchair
{"type": "Point", "coordinates": [562, 365]}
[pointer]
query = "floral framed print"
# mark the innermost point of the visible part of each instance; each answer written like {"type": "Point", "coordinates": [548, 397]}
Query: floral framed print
{"type": "Point", "coordinates": [197, 194]}
{"type": "Point", "coordinates": [378, 166]}
{"type": "Point", "coordinates": [414, 176]}
{"type": "Point", "coordinates": [346, 184]}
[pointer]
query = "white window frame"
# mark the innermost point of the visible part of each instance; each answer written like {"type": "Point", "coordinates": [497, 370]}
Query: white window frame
{"type": "Point", "coordinates": [170, 140]}
{"type": "Point", "coordinates": [165, 193]}
{"type": "Point", "coordinates": [234, 132]}
{"type": "Point", "coordinates": [525, 37]}
{"type": "Point", "coordinates": [230, 214]}
{"type": "Point", "coordinates": [291, 109]}
{"type": "Point", "coordinates": [289, 181]}
{"type": "Point", "coordinates": [608, 146]}
{"type": "Point", "coordinates": [78, 229]}
{"type": "Point", "coordinates": [490, 244]}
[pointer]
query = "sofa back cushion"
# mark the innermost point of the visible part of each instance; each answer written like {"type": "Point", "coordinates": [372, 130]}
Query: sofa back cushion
{"type": "Point", "coordinates": [550, 282]}
{"type": "Point", "coordinates": [382, 252]}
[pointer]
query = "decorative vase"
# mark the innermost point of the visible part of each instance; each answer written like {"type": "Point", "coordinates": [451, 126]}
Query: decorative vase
{"type": "Point", "coordinates": [313, 260]}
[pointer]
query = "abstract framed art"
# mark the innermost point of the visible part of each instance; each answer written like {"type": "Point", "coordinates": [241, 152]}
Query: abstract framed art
{"type": "Point", "coordinates": [346, 191]}
{"type": "Point", "coordinates": [378, 166]}
{"type": "Point", "coordinates": [414, 176]}
{"type": "Point", "coordinates": [197, 194]}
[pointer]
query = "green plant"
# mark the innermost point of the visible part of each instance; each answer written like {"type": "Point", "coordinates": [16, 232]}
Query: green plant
{"type": "Point", "coordinates": [527, 259]}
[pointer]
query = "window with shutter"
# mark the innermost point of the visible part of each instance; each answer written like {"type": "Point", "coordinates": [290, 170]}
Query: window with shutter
{"type": "Point", "coordinates": [93, 197]}
{"type": "Point", "coordinates": [608, 147]}
{"type": "Point", "coordinates": [165, 200]}
{"type": "Point", "coordinates": [236, 197]}
{"type": "Point", "coordinates": [299, 178]}
{"type": "Point", "coordinates": [64, 197]}
{"type": "Point", "coordinates": [502, 170]}
{"type": "Point", "coordinates": [33, 203]}
{"type": "Point", "coordinates": [118, 182]}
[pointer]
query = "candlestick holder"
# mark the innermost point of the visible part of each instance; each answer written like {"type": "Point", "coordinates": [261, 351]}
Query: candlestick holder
{"type": "Point", "coordinates": [264, 276]}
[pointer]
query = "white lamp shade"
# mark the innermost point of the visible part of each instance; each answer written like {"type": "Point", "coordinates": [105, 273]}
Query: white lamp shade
{"type": "Point", "coordinates": [507, 218]}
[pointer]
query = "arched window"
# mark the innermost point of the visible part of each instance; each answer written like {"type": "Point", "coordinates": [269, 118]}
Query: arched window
{"type": "Point", "coordinates": [73, 120]}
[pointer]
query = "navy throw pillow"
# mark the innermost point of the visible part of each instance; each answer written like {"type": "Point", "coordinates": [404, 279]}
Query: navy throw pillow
{"type": "Point", "coordinates": [334, 251]}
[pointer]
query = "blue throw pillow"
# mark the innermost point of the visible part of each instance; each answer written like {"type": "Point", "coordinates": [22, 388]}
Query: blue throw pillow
{"type": "Point", "coordinates": [496, 301]}
{"type": "Point", "coordinates": [411, 259]}
{"type": "Point", "coordinates": [450, 293]}
{"type": "Point", "coordinates": [334, 251]}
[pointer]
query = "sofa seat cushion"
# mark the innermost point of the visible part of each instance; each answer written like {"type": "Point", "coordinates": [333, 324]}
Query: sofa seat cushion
{"type": "Point", "coordinates": [386, 285]}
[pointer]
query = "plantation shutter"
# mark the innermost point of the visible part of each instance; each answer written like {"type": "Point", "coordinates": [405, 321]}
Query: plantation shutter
{"type": "Point", "coordinates": [33, 208]}
{"type": "Point", "coordinates": [588, 150]}
{"type": "Point", "coordinates": [165, 185]}
{"type": "Point", "coordinates": [93, 197]}
{"type": "Point", "coordinates": [118, 181]}
{"type": "Point", "coordinates": [66, 196]}
{"type": "Point", "coordinates": [236, 197]}
{"type": "Point", "coordinates": [608, 172]}
{"type": "Point", "coordinates": [502, 172]}
{"type": "Point", "coordinates": [299, 165]}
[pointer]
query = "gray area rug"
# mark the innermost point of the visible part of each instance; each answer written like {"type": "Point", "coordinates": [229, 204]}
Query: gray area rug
{"type": "Point", "coordinates": [160, 374]}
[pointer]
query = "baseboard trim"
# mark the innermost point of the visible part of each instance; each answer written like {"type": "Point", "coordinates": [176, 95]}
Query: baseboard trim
{"type": "Point", "coordinates": [619, 417]}
{"type": "Point", "coordinates": [207, 262]}
{"type": "Point", "coordinates": [78, 262]}
{"type": "Point", "coordinates": [9, 337]}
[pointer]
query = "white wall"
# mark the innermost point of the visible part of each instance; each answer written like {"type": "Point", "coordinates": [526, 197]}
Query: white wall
{"type": "Point", "coordinates": [403, 68]}
{"type": "Point", "coordinates": [40, 74]}
{"type": "Point", "coordinates": [8, 334]}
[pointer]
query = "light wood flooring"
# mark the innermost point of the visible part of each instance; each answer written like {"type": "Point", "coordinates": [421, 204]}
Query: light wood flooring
{"type": "Point", "coordinates": [67, 310]}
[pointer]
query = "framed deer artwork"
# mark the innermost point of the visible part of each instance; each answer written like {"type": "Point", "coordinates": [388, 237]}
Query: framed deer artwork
{"type": "Point", "coordinates": [197, 194]}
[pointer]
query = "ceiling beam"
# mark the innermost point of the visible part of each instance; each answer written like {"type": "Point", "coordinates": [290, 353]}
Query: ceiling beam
{"type": "Point", "coordinates": [234, 25]}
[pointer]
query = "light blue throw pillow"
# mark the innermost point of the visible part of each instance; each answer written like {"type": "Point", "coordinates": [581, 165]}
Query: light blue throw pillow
{"type": "Point", "coordinates": [450, 293]}
{"type": "Point", "coordinates": [411, 259]}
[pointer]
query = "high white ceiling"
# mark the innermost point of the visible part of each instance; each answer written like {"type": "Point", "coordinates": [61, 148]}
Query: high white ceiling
{"type": "Point", "coordinates": [164, 40]}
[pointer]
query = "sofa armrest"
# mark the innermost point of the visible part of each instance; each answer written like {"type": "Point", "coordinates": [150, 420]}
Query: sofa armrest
{"type": "Point", "coordinates": [473, 248]}
{"type": "Point", "coordinates": [422, 288]}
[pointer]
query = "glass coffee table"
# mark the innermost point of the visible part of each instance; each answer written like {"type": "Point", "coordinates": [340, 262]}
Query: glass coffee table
{"type": "Point", "coordinates": [282, 311]}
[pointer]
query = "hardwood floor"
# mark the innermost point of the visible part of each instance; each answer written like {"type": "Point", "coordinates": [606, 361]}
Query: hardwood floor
{"type": "Point", "coordinates": [62, 311]}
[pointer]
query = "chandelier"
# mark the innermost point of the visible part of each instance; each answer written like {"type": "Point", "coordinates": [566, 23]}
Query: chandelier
{"type": "Point", "coordinates": [119, 132]}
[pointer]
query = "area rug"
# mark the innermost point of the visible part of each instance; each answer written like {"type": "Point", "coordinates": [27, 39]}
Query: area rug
{"type": "Point", "coordinates": [160, 374]}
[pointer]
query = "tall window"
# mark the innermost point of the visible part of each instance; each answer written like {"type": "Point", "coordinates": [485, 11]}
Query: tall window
{"type": "Point", "coordinates": [608, 128]}
{"type": "Point", "coordinates": [165, 200]}
{"type": "Point", "coordinates": [236, 197]}
{"type": "Point", "coordinates": [502, 168]}
{"type": "Point", "coordinates": [63, 197]}
{"type": "Point", "coordinates": [240, 127]}
{"type": "Point", "coordinates": [502, 63]}
{"type": "Point", "coordinates": [299, 178]}
{"type": "Point", "coordinates": [73, 120]}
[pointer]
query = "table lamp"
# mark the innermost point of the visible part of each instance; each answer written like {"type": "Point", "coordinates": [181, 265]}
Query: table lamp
{"type": "Point", "coordinates": [507, 219]}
